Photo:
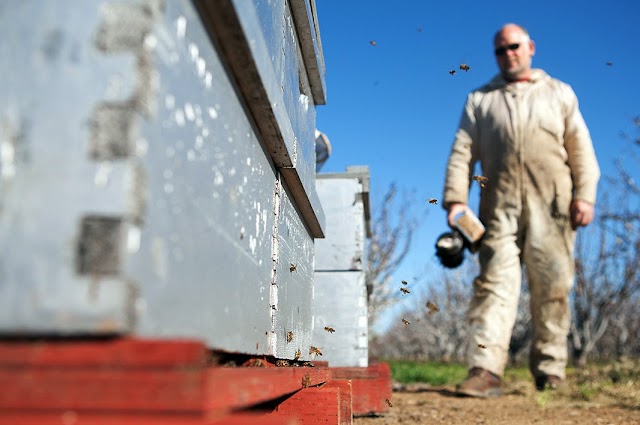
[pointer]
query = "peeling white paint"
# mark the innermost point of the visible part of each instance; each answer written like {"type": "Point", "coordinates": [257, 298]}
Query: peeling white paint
{"type": "Point", "coordinates": [208, 79]}
{"type": "Point", "coordinates": [189, 112]}
{"type": "Point", "coordinates": [181, 27]}
{"type": "Point", "coordinates": [304, 101]}
{"type": "Point", "coordinates": [159, 258]}
{"type": "Point", "coordinates": [169, 101]}
{"type": "Point", "coordinates": [141, 147]}
{"type": "Point", "coordinates": [150, 42]}
{"type": "Point", "coordinates": [213, 113]}
{"type": "Point", "coordinates": [179, 117]}
{"type": "Point", "coordinates": [193, 51]}
{"type": "Point", "coordinates": [218, 178]}
{"type": "Point", "coordinates": [133, 239]}
{"type": "Point", "coordinates": [103, 171]}
{"type": "Point", "coordinates": [201, 66]}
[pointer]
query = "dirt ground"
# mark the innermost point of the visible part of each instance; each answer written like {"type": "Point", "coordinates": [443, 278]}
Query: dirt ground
{"type": "Point", "coordinates": [572, 404]}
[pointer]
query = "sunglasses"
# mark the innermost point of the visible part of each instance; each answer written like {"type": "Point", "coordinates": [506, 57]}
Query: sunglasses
{"type": "Point", "coordinates": [500, 51]}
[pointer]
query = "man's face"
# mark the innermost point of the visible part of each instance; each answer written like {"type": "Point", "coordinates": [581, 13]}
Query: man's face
{"type": "Point", "coordinates": [513, 50]}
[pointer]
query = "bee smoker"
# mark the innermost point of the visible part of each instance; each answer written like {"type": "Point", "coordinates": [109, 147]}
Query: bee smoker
{"type": "Point", "coordinates": [467, 234]}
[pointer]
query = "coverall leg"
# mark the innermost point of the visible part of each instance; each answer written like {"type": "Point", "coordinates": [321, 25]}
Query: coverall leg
{"type": "Point", "coordinates": [548, 256]}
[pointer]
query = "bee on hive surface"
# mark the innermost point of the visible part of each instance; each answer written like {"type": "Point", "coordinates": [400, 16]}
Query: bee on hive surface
{"type": "Point", "coordinates": [329, 329]}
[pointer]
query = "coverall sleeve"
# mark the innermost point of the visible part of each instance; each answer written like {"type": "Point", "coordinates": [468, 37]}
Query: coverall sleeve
{"type": "Point", "coordinates": [462, 157]}
{"type": "Point", "coordinates": [585, 171]}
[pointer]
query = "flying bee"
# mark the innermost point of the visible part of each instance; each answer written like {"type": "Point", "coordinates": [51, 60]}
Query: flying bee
{"type": "Point", "coordinates": [453, 71]}
{"type": "Point", "coordinates": [315, 350]}
{"type": "Point", "coordinates": [404, 282]}
{"type": "Point", "coordinates": [405, 291]}
{"type": "Point", "coordinates": [433, 201]}
{"type": "Point", "coordinates": [292, 267]}
{"type": "Point", "coordinates": [433, 309]}
{"type": "Point", "coordinates": [482, 346]}
{"type": "Point", "coordinates": [481, 179]}
{"type": "Point", "coordinates": [406, 322]}
{"type": "Point", "coordinates": [329, 329]}
{"type": "Point", "coordinates": [609, 63]}
{"type": "Point", "coordinates": [373, 43]}
{"type": "Point", "coordinates": [298, 354]}
{"type": "Point", "coordinates": [464, 67]}
{"type": "Point", "coordinates": [386, 400]}
{"type": "Point", "coordinates": [289, 336]}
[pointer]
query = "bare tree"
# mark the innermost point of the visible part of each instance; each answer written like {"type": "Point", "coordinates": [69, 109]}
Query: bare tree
{"type": "Point", "coordinates": [605, 301]}
{"type": "Point", "coordinates": [392, 228]}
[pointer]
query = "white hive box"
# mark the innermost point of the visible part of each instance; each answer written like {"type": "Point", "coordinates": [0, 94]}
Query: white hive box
{"type": "Point", "coordinates": [340, 298]}
{"type": "Point", "coordinates": [157, 170]}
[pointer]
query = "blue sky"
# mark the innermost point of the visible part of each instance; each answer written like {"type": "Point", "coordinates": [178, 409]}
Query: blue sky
{"type": "Point", "coordinates": [394, 106]}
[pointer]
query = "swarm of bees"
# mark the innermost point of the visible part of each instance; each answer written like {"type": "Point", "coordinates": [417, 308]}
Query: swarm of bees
{"type": "Point", "coordinates": [405, 291]}
{"type": "Point", "coordinates": [433, 309]}
{"type": "Point", "coordinates": [481, 179]}
{"type": "Point", "coordinates": [482, 346]}
{"type": "Point", "coordinates": [386, 400]}
{"type": "Point", "coordinates": [315, 350]}
{"type": "Point", "coordinates": [406, 322]}
{"type": "Point", "coordinates": [464, 67]}
{"type": "Point", "coordinates": [329, 329]}
{"type": "Point", "coordinates": [289, 336]}
{"type": "Point", "coordinates": [433, 201]}
{"type": "Point", "coordinates": [282, 363]}
{"type": "Point", "coordinates": [292, 267]}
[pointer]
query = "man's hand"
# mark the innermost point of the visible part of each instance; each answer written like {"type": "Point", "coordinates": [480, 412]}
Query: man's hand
{"type": "Point", "coordinates": [581, 213]}
{"type": "Point", "coordinates": [454, 209]}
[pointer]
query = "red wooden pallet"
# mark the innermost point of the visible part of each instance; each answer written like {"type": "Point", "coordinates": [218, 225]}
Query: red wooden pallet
{"type": "Point", "coordinates": [371, 387]}
{"type": "Point", "coordinates": [127, 380]}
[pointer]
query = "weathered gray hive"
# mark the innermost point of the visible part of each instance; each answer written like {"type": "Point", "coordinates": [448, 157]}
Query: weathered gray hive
{"type": "Point", "coordinates": [340, 300]}
{"type": "Point", "coordinates": [157, 170]}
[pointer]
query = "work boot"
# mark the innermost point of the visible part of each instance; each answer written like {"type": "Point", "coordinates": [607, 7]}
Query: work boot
{"type": "Point", "coordinates": [547, 382]}
{"type": "Point", "coordinates": [480, 383]}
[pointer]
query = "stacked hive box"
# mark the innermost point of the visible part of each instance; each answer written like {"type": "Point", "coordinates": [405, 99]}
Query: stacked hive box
{"type": "Point", "coordinates": [157, 170]}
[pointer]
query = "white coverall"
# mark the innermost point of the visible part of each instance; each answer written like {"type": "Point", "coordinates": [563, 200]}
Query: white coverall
{"type": "Point", "coordinates": [534, 147]}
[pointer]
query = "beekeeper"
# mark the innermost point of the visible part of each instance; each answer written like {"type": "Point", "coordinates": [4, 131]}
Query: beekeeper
{"type": "Point", "coordinates": [539, 175]}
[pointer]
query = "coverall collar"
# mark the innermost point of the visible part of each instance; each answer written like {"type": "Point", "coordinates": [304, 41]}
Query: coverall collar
{"type": "Point", "coordinates": [499, 82]}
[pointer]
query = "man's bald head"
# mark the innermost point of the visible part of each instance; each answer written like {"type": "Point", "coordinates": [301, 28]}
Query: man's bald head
{"type": "Point", "coordinates": [514, 50]}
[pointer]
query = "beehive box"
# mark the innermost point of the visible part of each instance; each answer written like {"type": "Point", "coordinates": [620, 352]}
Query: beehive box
{"type": "Point", "coordinates": [157, 170]}
{"type": "Point", "coordinates": [340, 301]}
